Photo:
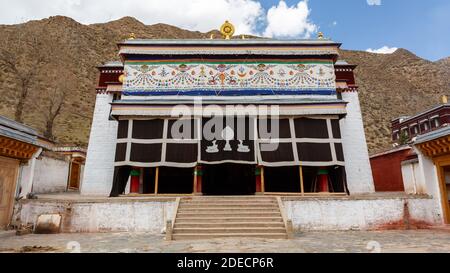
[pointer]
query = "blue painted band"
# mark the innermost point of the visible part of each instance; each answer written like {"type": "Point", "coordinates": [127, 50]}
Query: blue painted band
{"type": "Point", "coordinates": [229, 92]}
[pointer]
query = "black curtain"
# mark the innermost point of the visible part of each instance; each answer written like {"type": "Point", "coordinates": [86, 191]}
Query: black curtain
{"type": "Point", "coordinates": [121, 175]}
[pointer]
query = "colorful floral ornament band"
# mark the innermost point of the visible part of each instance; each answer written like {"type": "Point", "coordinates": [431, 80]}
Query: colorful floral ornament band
{"type": "Point", "coordinates": [229, 78]}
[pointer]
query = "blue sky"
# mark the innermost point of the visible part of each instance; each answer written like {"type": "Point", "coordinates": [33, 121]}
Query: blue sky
{"type": "Point", "coordinates": [421, 26]}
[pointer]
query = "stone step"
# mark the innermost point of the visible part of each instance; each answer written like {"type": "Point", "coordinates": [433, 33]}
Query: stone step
{"type": "Point", "coordinates": [228, 219]}
{"type": "Point", "coordinates": [228, 224]}
{"type": "Point", "coordinates": [229, 216]}
{"type": "Point", "coordinates": [225, 199]}
{"type": "Point", "coordinates": [226, 209]}
{"type": "Point", "coordinates": [215, 214]}
{"type": "Point", "coordinates": [198, 236]}
{"type": "Point", "coordinates": [229, 204]}
{"type": "Point", "coordinates": [248, 230]}
{"type": "Point", "coordinates": [224, 203]}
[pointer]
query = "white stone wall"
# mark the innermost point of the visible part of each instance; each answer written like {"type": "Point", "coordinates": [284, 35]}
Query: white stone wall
{"type": "Point", "coordinates": [99, 168]}
{"type": "Point", "coordinates": [27, 172]}
{"type": "Point", "coordinates": [81, 174]}
{"type": "Point", "coordinates": [125, 216]}
{"type": "Point", "coordinates": [357, 163]}
{"type": "Point", "coordinates": [25, 177]}
{"type": "Point", "coordinates": [306, 214]}
{"type": "Point", "coordinates": [51, 175]}
{"type": "Point", "coordinates": [358, 214]}
{"type": "Point", "coordinates": [412, 178]}
{"type": "Point", "coordinates": [428, 174]}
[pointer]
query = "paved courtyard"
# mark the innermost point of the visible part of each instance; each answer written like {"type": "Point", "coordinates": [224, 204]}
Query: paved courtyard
{"type": "Point", "coordinates": [316, 242]}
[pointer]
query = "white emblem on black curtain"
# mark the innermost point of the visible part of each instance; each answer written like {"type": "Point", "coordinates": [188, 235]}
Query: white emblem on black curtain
{"type": "Point", "coordinates": [227, 135]}
{"type": "Point", "coordinates": [232, 140]}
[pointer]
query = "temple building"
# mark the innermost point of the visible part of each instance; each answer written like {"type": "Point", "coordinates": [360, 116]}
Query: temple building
{"type": "Point", "coordinates": [162, 87]}
{"type": "Point", "coordinates": [229, 137]}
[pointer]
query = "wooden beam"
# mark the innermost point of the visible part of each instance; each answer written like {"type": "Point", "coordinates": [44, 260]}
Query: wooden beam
{"type": "Point", "coordinates": [263, 188]}
{"type": "Point", "coordinates": [16, 149]}
{"type": "Point", "coordinates": [194, 190]}
{"type": "Point", "coordinates": [156, 179]}
{"type": "Point", "coordinates": [302, 188]}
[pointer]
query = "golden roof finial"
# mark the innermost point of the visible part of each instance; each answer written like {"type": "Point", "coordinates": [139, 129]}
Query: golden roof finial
{"type": "Point", "coordinates": [227, 30]}
{"type": "Point", "coordinates": [121, 78]}
{"type": "Point", "coordinates": [132, 36]}
{"type": "Point", "coordinates": [320, 35]}
{"type": "Point", "coordinates": [444, 99]}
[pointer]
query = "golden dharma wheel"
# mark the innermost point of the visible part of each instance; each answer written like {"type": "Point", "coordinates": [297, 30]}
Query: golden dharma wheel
{"type": "Point", "coordinates": [227, 30]}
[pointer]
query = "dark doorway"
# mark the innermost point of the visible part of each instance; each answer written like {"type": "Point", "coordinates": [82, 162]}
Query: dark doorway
{"type": "Point", "coordinates": [282, 179]}
{"type": "Point", "coordinates": [175, 180]}
{"type": "Point", "coordinates": [229, 179]}
{"type": "Point", "coordinates": [148, 186]}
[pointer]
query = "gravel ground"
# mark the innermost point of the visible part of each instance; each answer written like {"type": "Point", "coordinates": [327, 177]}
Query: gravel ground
{"type": "Point", "coordinates": [316, 242]}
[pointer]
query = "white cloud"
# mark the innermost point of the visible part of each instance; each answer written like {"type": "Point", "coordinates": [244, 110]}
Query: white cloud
{"type": "Point", "coordinates": [374, 2]}
{"type": "Point", "coordinates": [248, 16]}
{"type": "Point", "coordinates": [202, 15]}
{"type": "Point", "coordinates": [383, 50]}
{"type": "Point", "coordinates": [284, 21]}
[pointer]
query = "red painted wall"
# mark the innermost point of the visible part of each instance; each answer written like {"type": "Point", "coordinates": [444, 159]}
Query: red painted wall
{"type": "Point", "coordinates": [108, 77]}
{"type": "Point", "coordinates": [387, 170]}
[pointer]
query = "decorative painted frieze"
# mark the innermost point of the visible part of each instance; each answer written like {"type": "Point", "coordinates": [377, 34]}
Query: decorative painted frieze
{"type": "Point", "coordinates": [220, 78]}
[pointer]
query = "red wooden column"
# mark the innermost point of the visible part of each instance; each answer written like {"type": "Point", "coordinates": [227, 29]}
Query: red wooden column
{"type": "Point", "coordinates": [259, 179]}
{"type": "Point", "coordinates": [134, 184]}
{"type": "Point", "coordinates": [323, 179]}
{"type": "Point", "coordinates": [198, 173]}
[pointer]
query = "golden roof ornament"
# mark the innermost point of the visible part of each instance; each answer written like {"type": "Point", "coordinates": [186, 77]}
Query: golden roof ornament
{"type": "Point", "coordinates": [444, 99]}
{"type": "Point", "coordinates": [132, 36]}
{"type": "Point", "coordinates": [227, 30]}
{"type": "Point", "coordinates": [320, 35]}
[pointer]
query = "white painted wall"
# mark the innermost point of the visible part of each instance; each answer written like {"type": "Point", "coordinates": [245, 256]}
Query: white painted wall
{"type": "Point", "coordinates": [357, 163]}
{"type": "Point", "coordinates": [27, 172]}
{"type": "Point", "coordinates": [412, 178]}
{"type": "Point", "coordinates": [51, 175]}
{"type": "Point", "coordinates": [357, 214]}
{"type": "Point", "coordinates": [114, 215]}
{"type": "Point", "coordinates": [110, 216]}
{"type": "Point", "coordinates": [81, 174]}
{"type": "Point", "coordinates": [429, 175]}
{"type": "Point", "coordinates": [99, 167]}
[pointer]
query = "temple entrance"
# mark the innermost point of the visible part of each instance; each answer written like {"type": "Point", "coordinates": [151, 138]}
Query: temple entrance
{"type": "Point", "coordinates": [229, 179]}
{"type": "Point", "coordinates": [444, 185]}
{"type": "Point", "coordinates": [74, 175]}
{"type": "Point", "coordinates": [8, 176]}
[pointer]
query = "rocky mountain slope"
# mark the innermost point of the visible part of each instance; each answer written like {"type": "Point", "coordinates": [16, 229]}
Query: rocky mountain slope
{"type": "Point", "coordinates": [390, 85]}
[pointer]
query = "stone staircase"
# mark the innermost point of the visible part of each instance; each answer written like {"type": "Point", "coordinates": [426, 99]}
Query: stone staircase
{"type": "Point", "coordinates": [229, 216]}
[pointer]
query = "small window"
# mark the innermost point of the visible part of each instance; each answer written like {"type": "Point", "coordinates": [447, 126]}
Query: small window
{"type": "Point", "coordinates": [116, 96]}
{"type": "Point", "coordinates": [436, 122]}
{"type": "Point", "coordinates": [395, 136]}
{"type": "Point", "coordinates": [424, 126]}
